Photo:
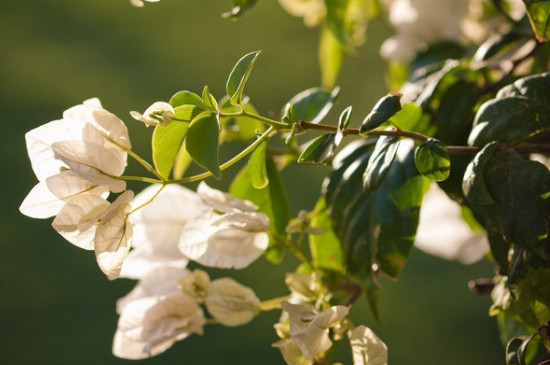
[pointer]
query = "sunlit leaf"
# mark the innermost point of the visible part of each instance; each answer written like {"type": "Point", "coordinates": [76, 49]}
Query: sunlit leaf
{"type": "Point", "coordinates": [380, 162]}
{"type": "Point", "coordinates": [319, 150]}
{"type": "Point", "coordinates": [325, 248]}
{"type": "Point", "coordinates": [257, 168]}
{"type": "Point", "coordinates": [432, 160]}
{"type": "Point", "coordinates": [238, 77]}
{"type": "Point", "coordinates": [185, 97]}
{"type": "Point", "coordinates": [384, 109]}
{"type": "Point", "coordinates": [312, 105]}
{"type": "Point", "coordinates": [539, 16]}
{"type": "Point", "coordinates": [202, 142]}
{"type": "Point", "coordinates": [331, 55]}
{"type": "Point", "coordinates": [166, 144]}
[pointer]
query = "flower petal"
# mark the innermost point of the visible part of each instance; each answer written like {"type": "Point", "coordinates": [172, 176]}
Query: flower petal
{"type": "Point", "coordinates": [114, 236]}
{"type": "Point", "coordinates": [92, 162]}
{"type": "Point", "coordinates": [76, 221]}
{"type": "Point", "coordinates": [367, 348]}
{"type": "Point", "coordinates": [48, 197]}
{"type": "Point", "coordinates": [231, 303]}
{"type": "Point", "coordinates": [223, 202]}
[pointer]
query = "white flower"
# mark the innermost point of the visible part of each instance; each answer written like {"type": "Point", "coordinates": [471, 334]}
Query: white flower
{"type": "Point", "coordinates": [90, 141]}
{"type": "Point", "coordinates": [160, 282]}
{"type": "Point", "coordinates": [149, 326]}
{"type": "Point", "coordinates": [231, 303]}
{"type": "Point", "coordinates": [443, 232]}
{"type": "Point", "coordinates": [367, 348]}
{"type": "Point", "coordinates": [291, 352]}
{"type": "Point", "coordinates": [196, 285]}
{"type": "Point", "coordinates": [139, 3]}
{"type": "Point", "coordinates": [158, 227]}
{"type": "Point", "coordinates": [113, 237]}
{"type": "Point", "coordinates": [231, 240]}
{"type": "Point", "coordinates": [160, 113]}
{"type": "Point", "coordinates": [310, 329]}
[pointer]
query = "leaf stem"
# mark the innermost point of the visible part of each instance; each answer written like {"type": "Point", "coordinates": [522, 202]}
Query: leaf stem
{"type": "Point", "coordinates": [271, 122]}
{"type": "Point", "coordinates": [272, 304]}
{"type": "Point", "coordinates": [139, 159]}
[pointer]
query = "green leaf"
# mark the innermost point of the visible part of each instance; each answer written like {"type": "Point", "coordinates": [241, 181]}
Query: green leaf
{"type": "Point", "coordinates": [533, 300]}
{"type": "Point", "coordinates": [256, 167]}
{"type": "Point", "coordinates": [539, 16]}
{"type": "Point", "coordinates": [312, 105]}
{"type": "Point", "coordinates": [344, 119]}
{"type": "Point", "coordinates": [235, 128]}
{"type": "Point", "coordinates": [238, 77]}
{"type": "Point", "coordinates": [331, 55]}
{"type": "Point", "coordinates": [520, 111]}
{"type": "Point", "coordinates": [185, 97]}
{"type": "Point", "coordinates": [240, 7]}
{"type": "Point", "coordinates": [202, 142]}
{"type": "Point", "coordinates": [209, 99]}
{"type": "Point", "coordinates": [336, 19]}
{"type": "Point", "coordinates": [380, 162]}
{"type": "Point", "coordinates": [384, 109]}
{"type": "Point", "coordinates": [456, 112]}
{"type": "Point", "coordinates": [271, 200]}
{"type": "Point", "coordinates": [432, 160]}
{"type": "Point", "coordinates": [183, 161]}
{"type": "Point", "coordinates": [167, 141]}
{"type": "Point", "coordinates": [378, 227]}
{"type": "Point", "coordinates": [325, 249]}
{"type": "Point", "coordinates": [474, 185]}
{"type": "Point", "coordinates": [320, 150]}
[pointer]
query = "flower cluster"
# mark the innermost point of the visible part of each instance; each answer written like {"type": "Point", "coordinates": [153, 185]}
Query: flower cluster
{"type": "Point", "coordinates": [77, 161]}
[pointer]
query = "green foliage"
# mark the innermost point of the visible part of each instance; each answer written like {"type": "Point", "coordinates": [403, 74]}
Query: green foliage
{"type": "Point", "coordinates": [238, 77]}
{"type": "Point", "coordinates": [185, 97]}
{"type": "Point", "coordinates": [326, 252]}
{"type": "Point", "coordinates": [380, 162]}
{"type": "Point", "coordinates": [539, 16]}
{"type": "Point", "coordinates": [239, 128]}
{"type": "Point", "coordinates": [320, 150]}
{"type": "Point", "coordinates": [377, 227]}
{"type": "Point", "coordinates": [432, 160]}
{"type": "Point", "coordinates": [257, 168]}
{"type": "Point", "coordinates": [312, 105]}
{"type": "Point", "coordinates": [167, 141]}
{"type": "Point", "coordinates": [519, 112]}
{"type": "Point", "coordinates": [331, 56]}
{"type": "Point", "coordinates": [384, 109]}
{"type": "Point", "coordinates": [202, 142]}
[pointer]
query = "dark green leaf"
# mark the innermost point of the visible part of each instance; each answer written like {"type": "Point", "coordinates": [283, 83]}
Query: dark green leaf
{"type": "Point", "coordinates": [202, 142]}
{"type": "Point", "coordinates": [519, 111]}
{"type": "Point", "coordinates": [185, 97]}
{"type": "Point", "coordinates": [256, 167]}
{"type": "Point", "coordinates": [312, 105]}
{"type": "Point", "coordinates": [539, 16]}
{"type": "Point", "coordinates": [209, 99]}
{"type": "Point", "coordinates": [238, 77]}
{"type": "Point", "coordinates": [331, 55]}
{"type": "Point", "coordinates": [240, 7]}
{"type": "Point", "coordinates": [320, 150]}
{"type": "Point", "coordinates": [512, 348]}
{"type": "Point", "coordinates": [271, 200]}
{"type": "Point", "coordinates": [325, 249]}
{"type": "Point", "coordinates": [384, 109]}
{"type": "Point", "coordinates": [533, 300]}
{"type": "Point", "coordinates": [474, 185]}
{"type": "Point", "coordinates": [432, 160]}
{"type": "Point", "coordinates": [167, 141]}
{"type": "Point", "coordinates": [437, 52]}
{"type": "Point", "coordinates": [380, 162]}
{"type": "Point", "coordinates": [344, 119]}
{"type": "Point", "coordinates": [455, 114]}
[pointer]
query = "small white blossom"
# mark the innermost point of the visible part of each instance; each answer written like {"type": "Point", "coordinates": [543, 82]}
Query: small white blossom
{"type": "Point", "coordinates": [149, 326]}
{"type": "Point", "coordinates": [196, 285]}
{"type": "Point", "coordinates": [367, 348]}
{"type": "Point", "coordinates": [158, 227]}
{"type": "Point", "coordinates": [160, 113]}
{"type": "Point", "coordinates": [310, 329]}
{"type": "Point", "coordinates": [443, 232]}
{"type": "Point", "coordinates": [313, 11]}
{"type": "Point", "coordinates": [231, 303]}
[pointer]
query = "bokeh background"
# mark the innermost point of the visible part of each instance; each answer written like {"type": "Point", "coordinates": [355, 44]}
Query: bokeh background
{"type": "Point", "coordinates": [56, 307]}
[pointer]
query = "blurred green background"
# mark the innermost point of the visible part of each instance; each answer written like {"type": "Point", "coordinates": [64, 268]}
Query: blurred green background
{"type": "Point", "coordinates": [56, 307]}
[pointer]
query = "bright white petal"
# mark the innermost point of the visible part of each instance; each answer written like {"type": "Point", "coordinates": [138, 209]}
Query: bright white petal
{"type": "Point", "coordinates": [291, 352]}
{"type": "Point", "coordinates": [39, 141]}
{"type": "Point", "coordinates": [223, 202]}
{"type": "Point", "coordinates": [221, 246]}
{"type": "Point", "coordinates": [158, 113]}
{"type": "Point", "coordinates": [48, 197]}
{"type": "Point", "coordinates": [231, 303]}
{"type": "Point", "coordinates": [163, 281]}
{"type": "Point", "coordinates": [114, 236]}
{"type": "Point", "coordinates": [367, 348]}
{"type": "Point", "coordinates": [112, 128]}
{"type": "Point", "coordinates": [76, 221]}
{"type": "Point", "coordinates": [442, 231]}
{"type": "Point", "coordinates": [92, 162]}
{"type": "Point", "coordinates": [149, 326]}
